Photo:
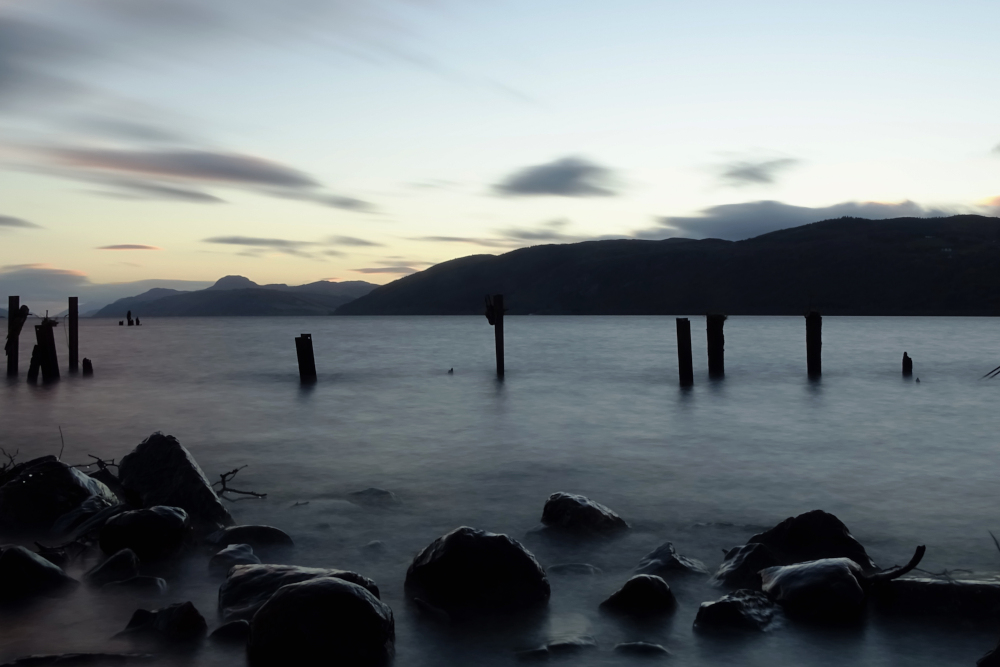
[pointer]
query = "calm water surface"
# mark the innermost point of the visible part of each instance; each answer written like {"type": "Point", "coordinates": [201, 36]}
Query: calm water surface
{"type": "Point", "coordinates": [590, 405]}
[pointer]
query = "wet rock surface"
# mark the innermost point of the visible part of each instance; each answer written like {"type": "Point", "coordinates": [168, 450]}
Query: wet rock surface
{"type": "Point", "coordinates": [340, 621]}
{"type": "Point", "coordinates": [827, 589]}
{"type": "Point", "coordinates": [248, 587]}
{"type": "Point", "coordinates": [161, 471]}
{"type": "Point", "coordinates": [642, 594]}
{"type": "Point", "coordinates": [151, 533]}
{"type": "Point", "coordinates": [234, 554]}
{"type": "Point", "coordinates": [255, 536]}
{"type": "Point", "coordinates": [24, 574]}
{"type": "Point", "coordinates": [476, 570]}
{"type": "Point", "coordinates": [581, 515]}
{"type": "Point", "coordinates": [645, 649]}
{"type": "Point", "coordinates": [35, 494]}
{"type": "Point", "coordinates": [120, 566]}
{"type": "Point", "coordinates": [740, 610]}
{"type": "Point", "coordinates": [664, 561]}
{"type": "Point", "coordinates": [373, 497]}
{"type": "Point", "coordinates": [180, 622]}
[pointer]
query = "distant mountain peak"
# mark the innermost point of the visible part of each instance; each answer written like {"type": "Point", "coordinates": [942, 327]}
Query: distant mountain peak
{"type": "Point", "coordinates": [234, 282]}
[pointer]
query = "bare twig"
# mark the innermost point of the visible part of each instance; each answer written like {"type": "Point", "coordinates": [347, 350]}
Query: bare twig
{"type": "Point", "coordinates": [63, 441]}
{"type": "Point", "coordinates": [10, 459]}
{"type": "Point", "coordinates": [224, 480]}
{"type": "Point", "coordinates": [995, 540]}
{"type": "Point", "coordinates": [301, 503]}
{"type": "Point", "coordinates": [99, 462]}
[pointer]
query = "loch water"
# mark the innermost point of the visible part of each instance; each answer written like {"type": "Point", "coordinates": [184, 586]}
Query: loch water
{"type": "Point", "coordinates": [589, 405]}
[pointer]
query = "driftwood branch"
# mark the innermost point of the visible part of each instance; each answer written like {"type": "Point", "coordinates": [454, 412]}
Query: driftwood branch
{"type": "Point", "coordinates": [10, 460]}
{"type": "Point", "coordinates": [227, 477]}
{"type": "Point", "coordinates": [896, 571]}
{"type": "Point", "coordinates": [99, 462]}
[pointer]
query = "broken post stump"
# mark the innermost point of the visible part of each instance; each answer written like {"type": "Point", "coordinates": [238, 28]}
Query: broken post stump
{"type": "Point", "coordinates": [685, 365]}
{"type": "Point", "coordinates": [13, 331]}
{"type": "Point", "coordinates": [814, 344]}
{"type": "Point", "coordinates": [88, 367]}
{"type": "Point", "coordinates": [907, 365]}
{"type": "Point", "coordinates": [716, 345]}
{"type": "Point", "coordinates": [307, 362]}
{"type": "Point", "coordinates": [47, 359]}
{"type": "Point", "coordinates": [74, 340]}
{"type": "Point", "coordinates": [34, 364]}
{"type": "Point", "coordinates": [494, 314]}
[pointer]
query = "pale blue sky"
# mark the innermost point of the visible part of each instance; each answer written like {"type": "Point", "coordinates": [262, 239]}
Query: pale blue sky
{"type": "Point", "coordinates": [297, 140]}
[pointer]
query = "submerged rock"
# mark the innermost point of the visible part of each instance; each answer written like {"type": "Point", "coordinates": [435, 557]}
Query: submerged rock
{"type": "Point", "coordinates": [161, 471]}
{"type": "Point", "coordinates": [558, 647]}
{"type": "Point", "coordinates": [645, 649]}
{"type": "Point", "coordinates": [248, 587]}
{"type": "Point", "coordinates": [234, 632]}
{"type": "Point", "coordinates": [642, 594]}
{"type": "Point", "coordinates": [340, 621]}
{"type": "Point", "coordinates": [476, 570]}
{"type": "Point", "coordinates": [151, 533]}
{"type": "Point", "coordinates": [579, 514]}
{"type": "Point", "coordinates": [35, 494]}
{"type": "Point", "coordinates": [373, 497]}
{"type": "Point", "coordinates": [827, 589]}
{"type": "Point", "coordinates": [139, 584]}
{"type": "Point", "coordinates": [120, 566]}
{"type": "Point", "coordinates": [255, 536]}
{"type": "Point", "coordinates": [234, 554]}
{"type": "Point", "coordinates": [25, 574]}
{"type": "Point", "coordinates": [665, 560]}
{"type": "Point", "coordinates": [574, 568]}
{"type": "Point", "coordinates": [740, 610]}
{"type": "Point", "coordinates": [179, 622]}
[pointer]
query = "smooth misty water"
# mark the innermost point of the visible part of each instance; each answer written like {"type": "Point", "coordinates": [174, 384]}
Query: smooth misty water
{"type": "Point", "coordinates": [589, 405]}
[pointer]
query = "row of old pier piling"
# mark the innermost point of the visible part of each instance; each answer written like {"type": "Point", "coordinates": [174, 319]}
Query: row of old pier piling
{"type": "Point", "coordinates": [43, 356]}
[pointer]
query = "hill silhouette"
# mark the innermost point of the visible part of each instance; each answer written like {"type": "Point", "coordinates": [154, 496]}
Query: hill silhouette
{"type": "Point", "coordinates": [847, 266]}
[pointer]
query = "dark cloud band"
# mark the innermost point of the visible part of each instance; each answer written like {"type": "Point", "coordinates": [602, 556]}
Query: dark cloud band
{"type": "Point", "coordinates": [568, 177]}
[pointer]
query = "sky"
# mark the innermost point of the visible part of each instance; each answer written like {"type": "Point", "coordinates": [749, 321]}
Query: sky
{"type": "Point", "coordinates": [171, 142]}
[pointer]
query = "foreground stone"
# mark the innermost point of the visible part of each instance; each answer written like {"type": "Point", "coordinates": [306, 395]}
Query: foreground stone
{"type": "Point", "coordinates": [248, 587]}
{"type": "Point", "coordinates": [152, 533]}
{"type": "Point", "coordinates": [24, 574]}
{"type": "Point", "coordinates": [122, 565]}
{"type": "Point", "coordinates": [234, 554]}
{"type": "Point", "coordinates": [642, 594]}
{"type": "Point", "coordinates": [991, 659]}
{"type": "Point", "coordinates": [340, 621]}
{"type": "Point", "coordinates": [664, 560]}
{"type": "Point", "coordinates": [476, 570]}
{"type": "Point", "coordinates": [35, 494]}
{"type": "Point", "coordinates": [741, 610]}
{"type": "Point", "coordinates": [161, 471]}
{"type": "Point", "coordinates": [827, 589]}
{"type": "Point", "coordinates": [255, 536]}
{"type": "Point", "coordinates": [579, 514]}
{"type": "Point", "coordinates": [76, 518]}
{"type": "Point", "coordinates": [179, 622]}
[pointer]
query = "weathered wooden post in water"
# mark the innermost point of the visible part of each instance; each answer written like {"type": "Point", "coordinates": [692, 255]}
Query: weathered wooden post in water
{"type": "Point", "coordinates": [684, 363]}
{"type": "Point", "coordinates": [814, 344]}
{"type": "Point", "coordinates": [307, 363]}
{"type": "Point", "coordinates": [47, 360]}
{"type": "Point", "coordinates": [13, 331]}
{"type": "Point", "coordinates": [716, 345]}
{"type": "Point", "coordinates": [494, 314]}
{"type": "Point", "coordinates": [907, 365]}
{"type": "Point", "coordinates": [74, 340]}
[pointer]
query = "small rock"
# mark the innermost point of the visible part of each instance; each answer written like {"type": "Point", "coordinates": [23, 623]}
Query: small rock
{"type": "Point", "coordinates": [665, 560]}
{"type": "Point", "coordinates": [139, 584]}
{"type": "Point", "coordinates": [151, 533]}
{"type": "Point", "coordinates": [470, 569]}
{"type": "Point", "coordinates": [255, 536]}
{"type": "Point", "coordinates": [373, 497]}
{"type": "Point", "coordinates": [234, 632]}
{"type": "Point", "coordinates": [178, 622]}
{"type": "Point", "coordinates": [25, 574]}
{"type": "Point", "coordinates": [574, 568]}
{"type": "Point", "coordinates": [248, 587]}
{"type": "Point", "coordinates": [234, 554]}
{"type": "Point", "coordinates": [825, 589]}
{"type": "Point", "coordinates": [646, 649]}
{"type": "Point", "coordinates": [642, 594]}
{"type": "Point", "coordinates": [558, 647]}
{"type": "Point", "coordinates": [122, 565]}
{"type": "Point", "coordinates": [579, 514]}
{"type": "Point", "coordinates": [340, 621]}
{"type": "Point", "coordinates": [743, 610]}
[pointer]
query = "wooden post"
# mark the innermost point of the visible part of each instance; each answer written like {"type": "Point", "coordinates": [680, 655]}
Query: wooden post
{"type": "Point", "coordinates": [307, 363]}
{"type": "Point", "coordinates": [907, 365]}
{"type": "Point", "coordinates": [498, 331]}
{"type": "Point", "coordinates": [88, 367]}
{"type": "Point", "coordinates": [814, 344]}
{"type": "Point", "coordinates": [13, 308]}
{"type": "Point", "coordinates": [33, 366]}
{"type": "Point", "coordinates": [684, 362]}
{"type": "Point", "coordinates": [74, 340]}
{"type": "Point", "coordinates": [44, 334]}
{"type": "Point", "coordinates": [716, 345]}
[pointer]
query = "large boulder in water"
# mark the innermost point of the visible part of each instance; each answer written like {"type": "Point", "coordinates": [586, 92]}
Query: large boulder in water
{"type": "Point", "coordinates": [741, 565]}
{"type": "Point", "coordinates": [161, 471]}
{"type": "Point", "coordinates": [151, 533]}
{"type": "Point", "coordinates": [34, 494]}
{"type": "Point", "coordinates": [248, 587]}
{"type": "Point", "coordinates": [24, 574]}
{"type": "Point", "coordinates": [475, 570]}
{"type": "Point", "coordinates": [579, 514]}
{"type": "Point", "coordinates": [322, 621]}
{"type": "Point", "coordinates": [826, 589]}
{"type": "Point", "coordinates": [664, 560]}
{"type": "Point", "coordinates": [180, 622]}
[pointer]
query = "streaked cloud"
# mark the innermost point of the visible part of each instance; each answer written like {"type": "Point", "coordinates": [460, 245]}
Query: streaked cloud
{"type": "Point", "coordinates": [128, 246]}
{"type": "Point", "coordinates": [10, 222]}
{"type": "Point", "coordinates": [755, 172]}
{"type": "Point", "coordinates": [146, 190]}
{"type": "Point", "coordinates": [567, 177]}
{"type": "Point", "coordinates": [352, 241]}
{"type": "Point", "coordinates": [402, 270]}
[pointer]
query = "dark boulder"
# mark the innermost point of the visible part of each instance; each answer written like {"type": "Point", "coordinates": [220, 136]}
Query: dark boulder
{"type": "Point", "coordinates": [161, 471]}
{"type": "Point", "coordinates": [476, 570]}
{"type": "Point", "coordinates": [373, 497]}
{"type": "Point", "coordinates": [826, 589]}
{"type": "Point", "coordinates": [644, 649]}
{"type": "Point", "coordinates": [740, 610]}
{"type": "Point", "coordinates": [814, 535]}
{"type": "Point", "coordinates": [180, 622]}
{"type": "Point", "coordinates": [255, 536]}
{"type": "Point", "coordinates": [642, 594]}
{"type": "Point", "coordinates": [122, 565]}
{"type": "Point", "coordinates": [991, 659]}
{"type": "Point", "coordinates": [34, 494]}
{"type": "Point", "coordinates": [76, 518]}
{"type": "Point", "coordinates": [235, 632]}
{"type": "Point", "coordinates": [741, 565]}
{"type": "Point", "coordinates": [664, 560]}
{"type": "Point", "coordinates": [578, 514]}
{"type": "Point", "coordinates": [140, 584]}
{"type": "Point", "coordinates": [234, 554]}
{"type": "Point", "coordinates": [248, 587]}
{"type": "Point", "coordinates": [340, 621]}
{"type": "Point", "coordinates": [25, 574]}
{"type": "Point", "coordinates": [151, 533]}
